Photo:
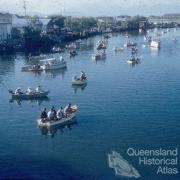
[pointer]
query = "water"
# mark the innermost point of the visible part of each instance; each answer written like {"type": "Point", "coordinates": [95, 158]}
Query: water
{"type": "Point", "coordinates": [121, 107]}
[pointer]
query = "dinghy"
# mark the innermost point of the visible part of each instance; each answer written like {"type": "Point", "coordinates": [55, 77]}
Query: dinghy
{"type": "Point", "coordinates": [68, 119]}
{"type": "Point", "coordinates": [24, 95]}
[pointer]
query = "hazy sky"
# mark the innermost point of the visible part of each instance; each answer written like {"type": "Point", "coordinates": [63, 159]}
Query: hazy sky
{"type": "Point", "coordinates": [92, 7]}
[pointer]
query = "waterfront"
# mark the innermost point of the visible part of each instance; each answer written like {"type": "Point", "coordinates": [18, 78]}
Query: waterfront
{"type": "Point", "coordinates": [121, 107]}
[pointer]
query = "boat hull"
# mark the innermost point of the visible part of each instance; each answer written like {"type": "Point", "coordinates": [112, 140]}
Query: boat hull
{"type": "Point", "coordinates": [79, 82]}
{"type": "Point", "coordinates": [60, 122]}
{"type": "Point", "coordinates": [30, 96]}
{"type": "Point", "coordinates": [52, 67]}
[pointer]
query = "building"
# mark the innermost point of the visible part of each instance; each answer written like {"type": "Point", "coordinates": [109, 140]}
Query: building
{"type": "Point", "coordinates": [5, 26]}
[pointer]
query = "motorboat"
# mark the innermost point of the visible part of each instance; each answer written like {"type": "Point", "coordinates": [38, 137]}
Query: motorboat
{"type": "Point", "coordinates": [57, 49]}
{"type": "Point", "coordinates": [99, 56]}
{"type": "Point", "coordinates": [134, 57]}
{"type": "Point", "coordinates": [133, 60]}
{"type": "Point", "coordinates": [72, 53]}
{"type": "Point", "coordinates": [53, 63]}
{"type": "Point", "coordinates": [71, 46]}
{"type": "Point", "coordinates": [36, 67]}
{"type": "Point", "coordinates": [116, 49]}
{"type": "Point", "coordinates": [67, 119]}
{"type": "Point", "coordinates": [174, 39]}
{"type": "Point", "coordinates": [130, 44]}
{"type": "Point", "coordinates": [155, 44]}
{"type": "Point", "coordinates": [100, 45]}
{"type": "Point", "coordinates": [25, 95]}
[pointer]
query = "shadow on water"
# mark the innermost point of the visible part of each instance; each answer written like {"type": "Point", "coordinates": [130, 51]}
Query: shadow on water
{"type": "Point", "coordinates": [53, 131]}
{"type": "Point", "coordinates": [29, 101]}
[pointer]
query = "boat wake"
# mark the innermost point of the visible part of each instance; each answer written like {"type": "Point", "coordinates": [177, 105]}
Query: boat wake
{"type": "Point", "coordinates": [121, 166]}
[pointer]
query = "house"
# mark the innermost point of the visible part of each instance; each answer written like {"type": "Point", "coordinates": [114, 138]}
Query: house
{"type": "Point", "coordinates": [5, 26]}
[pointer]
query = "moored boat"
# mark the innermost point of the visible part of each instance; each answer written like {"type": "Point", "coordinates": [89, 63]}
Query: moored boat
{"type": "Point", "coordinates": [116, 49]}
{"type": "Point", "coordinates": [130, 44]}
{"type": "Point", "coordinates": [155, 44]}
{"type": "Point", "coordinates": [99, 56]}
{"type": "Point", "coordinates": [53, 63]}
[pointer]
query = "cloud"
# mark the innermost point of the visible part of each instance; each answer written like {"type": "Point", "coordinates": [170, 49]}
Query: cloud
{"type": "Point", "coordinates": [92, 7]}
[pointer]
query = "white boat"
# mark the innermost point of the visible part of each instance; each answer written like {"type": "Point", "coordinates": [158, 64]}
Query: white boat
{"type": "Point", "coordinates": [99, 56]}
{"type": "Point", "coordinates": [53, 63]}
{"type": "Point", "coordinates": [33, 95]}
{"type": "Point", "coordinates": [101, 45]}
{"type": "Point", "coordinates": [155, 44]}
{"type": "Point", "coordinates": [116, 49]}
{"type": "Point", "coordinates": [60, 122]}
{"type": "Point", "coordinates": [130, 44]}
{"type": "Point", "coordinates": [133, 60]}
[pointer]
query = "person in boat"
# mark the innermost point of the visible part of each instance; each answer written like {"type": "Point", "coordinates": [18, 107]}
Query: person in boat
{"type": "Point", "coordinates": [68, 109]}
{"type": "Point", "coordinates": [60, 113]}
{"type": "Point", "coordinates": [61, 59]}
{"type": "Point", "coordinates": [50, 114]}
{"type": "Point", "coordinates": [18, 91]}
{"type": "Point", "coordinates": [39, 89]}
{"type": "Point", "coordinates": [54, 112]}
{"type": "Point", "coordinates": [44, 114]}
{"type": "Point", "coordinates": [82, 76]}
{"type": "Point", "coordinates": [29, 91]}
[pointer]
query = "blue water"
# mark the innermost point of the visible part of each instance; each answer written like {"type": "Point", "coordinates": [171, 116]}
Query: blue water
{"type": "Point", "coordinates": [121, 107]}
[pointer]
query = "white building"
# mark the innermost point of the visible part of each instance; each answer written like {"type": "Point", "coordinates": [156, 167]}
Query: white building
{"type": "Point", "coordinates": [5, 26]}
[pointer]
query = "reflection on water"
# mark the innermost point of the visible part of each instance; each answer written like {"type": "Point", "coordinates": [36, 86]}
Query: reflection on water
{"type": "Point", "coordinates": [80, 87]}
{"type": "Point", "coordinates": [56, 72]}
{"type": "Point", "coordinates": [29, 101]}
{"type": "Point", "coordinates": [6, 66]}
{"type": "Point", "coordinates": [53, 131]}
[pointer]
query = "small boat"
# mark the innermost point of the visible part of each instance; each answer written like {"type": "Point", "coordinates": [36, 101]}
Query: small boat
{"type": "Point", "coordinates": [133, 60]}
{"type": "Point", "coordinates": [155, 44]}
{"type": "Point", "coordinates": [130, 44]}
{"type": "Point", "coordinates": [116, 49]}
{"type": "Point", "coordinates": [99, 56]}
{"type": "Point", "coordinates": [71, 46]}
{"type": "Point", "coordinates": [174, 39]}
{"type": "Point", "coordinates": [59, 122]}
{"type": "Point", "coordinates": [100, 45]}
{"type": "Point", "coordinates": [82, 80]}
{"type": "Point", "coordinates": [24, 95]}
{"type": "Point", "coordinates": [32, 68]}
{"type": "Point", "coordinates": [72, 53]}
{"type": "Point", "coordinates": [57, 50]}
{"type": "Point", "coordinates": [53, 63]}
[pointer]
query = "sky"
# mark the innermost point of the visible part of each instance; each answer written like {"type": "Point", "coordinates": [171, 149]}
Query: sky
{"type": "Point", "coordinates": [92, 7]}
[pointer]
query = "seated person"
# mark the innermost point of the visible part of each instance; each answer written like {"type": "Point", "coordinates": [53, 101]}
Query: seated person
{"type": "Point", "coordinates": [60, 113]}
{"type": "Point", "coordinates": [51, 114]}
{"type": "Point", "coordinates": [29, 90]}
{"type": "Point", "coordinates": [43, 114]}
{"type": "Point", "coordinates": [39, 89]}
{"type": "Point", "coordinates": [18, 91]}
{"type": "Point", "coordinates": [82, 76]}
{"type": "Point", "coordinates": [68, 109]}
